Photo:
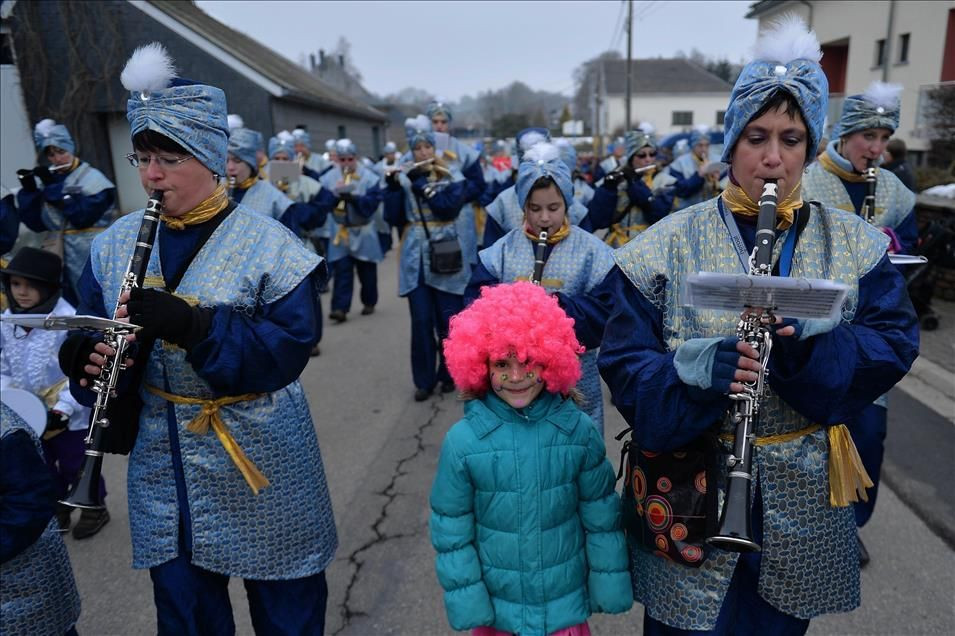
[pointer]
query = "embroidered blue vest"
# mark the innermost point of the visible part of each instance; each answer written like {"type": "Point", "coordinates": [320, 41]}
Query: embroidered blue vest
{"type": "Point", "coordinates": [352, 234]}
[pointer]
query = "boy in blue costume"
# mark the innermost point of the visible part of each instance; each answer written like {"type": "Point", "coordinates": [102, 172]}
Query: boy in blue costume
{"type": "Point", "coordinates": [229, 300]}
{"type": "Point", "coordinates": [670, 367]}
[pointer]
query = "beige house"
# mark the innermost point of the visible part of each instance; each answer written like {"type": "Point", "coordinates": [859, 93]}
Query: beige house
{"type": "Point", "coordinates": [911, 43]}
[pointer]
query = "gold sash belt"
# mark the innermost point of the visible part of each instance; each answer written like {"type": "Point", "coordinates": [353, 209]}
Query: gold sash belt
{"type": "Point", "coordinates": [84, 230]}
{"type": "Point", "coordinates": [848, 478]}
{"type": "Point", "coordinates": [618, 233]}
{"type": "Point", "coordinates": [209, 416]}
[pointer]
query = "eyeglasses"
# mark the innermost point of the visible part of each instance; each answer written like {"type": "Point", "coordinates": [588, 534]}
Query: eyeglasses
{"type": "Point", "coordinates": [166, 163]}
{"type": "Point", "coordinates": [646, 155]}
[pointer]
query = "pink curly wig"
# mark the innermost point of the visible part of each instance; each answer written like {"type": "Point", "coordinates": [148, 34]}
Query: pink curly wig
{"type": "Point", "coordinates": [517, 318]}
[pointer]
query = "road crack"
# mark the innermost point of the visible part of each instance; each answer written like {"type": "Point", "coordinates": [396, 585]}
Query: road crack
{"type": "Point", "coordinates": [390, 493]}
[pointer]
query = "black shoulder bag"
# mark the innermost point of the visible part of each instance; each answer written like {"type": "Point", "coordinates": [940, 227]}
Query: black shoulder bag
{"type": "Point", "coordinates": [444, 254]}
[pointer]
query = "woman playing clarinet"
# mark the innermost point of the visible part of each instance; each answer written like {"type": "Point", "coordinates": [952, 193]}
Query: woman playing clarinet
{"type": "Point", "coordinates": [671, 367]}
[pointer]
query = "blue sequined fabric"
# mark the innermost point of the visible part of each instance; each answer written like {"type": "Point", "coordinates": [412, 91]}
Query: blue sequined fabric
{"type": "Point", "coordinates": [858, 113]}
{"type": "Point", "coordinates": [58, 136]}
{"type": "Point", "coordinates": [810, 560]}
{"type": "Point", "coordinates": [288, 530]}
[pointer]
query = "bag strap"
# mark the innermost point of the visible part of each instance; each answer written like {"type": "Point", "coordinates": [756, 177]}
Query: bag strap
{"type": "Point", "coordinates": [802, 220]}
{"type": "Point", "coordinates": [424, 223]}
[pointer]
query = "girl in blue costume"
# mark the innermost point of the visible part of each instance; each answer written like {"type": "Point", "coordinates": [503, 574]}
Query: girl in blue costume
{"type": "Point", "coordinates": [670, 367]}
{"type": "Point", "coordinates": [576, 261]}
{"type": "Point", "coordinates": [697, 174]}
{"type": "Point", "coordinates": [837, 179]}
{"type": "Point", "coordinates": [431, 197]}
{"type": "Point", "coordinates": [67, 196]}
{"type": "Point", "coordinates": [630, 202]}
{"type": "Point", "coordinates": [229, 299]}
{"type": "Point", "coordinates": [524, 516]}
{"type": "Point", "coordinates": [350, 197]}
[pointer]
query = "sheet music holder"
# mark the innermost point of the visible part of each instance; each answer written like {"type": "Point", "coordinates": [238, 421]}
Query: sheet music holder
{"type": "Point", "coordinates": [442, 141]}
{"type": "Point", "coordinates": [907, 259]}
{"type": "Point", "coordinates": [785, 296]}
{"type": "Point", "coordinates": [64, 323]}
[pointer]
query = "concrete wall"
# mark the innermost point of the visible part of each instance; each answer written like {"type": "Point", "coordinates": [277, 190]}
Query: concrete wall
{"type": "Point", "coordinates": [658, 110]}
{"type": "Point", "coordinates": [325, 125]}
{"type": "Point", "coordinates": [864, 23]}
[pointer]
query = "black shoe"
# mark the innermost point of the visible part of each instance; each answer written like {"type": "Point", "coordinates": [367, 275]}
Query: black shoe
{"type": "Point", "coordinates": [863, 553]}
{"type": "Point", "coordinates": [420, 395]}
{"type": "Point", "coordinates": [63, 520]}
{"type": "Point", "coordinates": [368, 310]}
{"type": "Point", "coordinates": [338, 316]}
{"type": "Point", "coordinates": [315, 352]}
{"type": "Point", "coordinates": [91, 522]}
{"type": "Point", "coordinates": [447, 387]}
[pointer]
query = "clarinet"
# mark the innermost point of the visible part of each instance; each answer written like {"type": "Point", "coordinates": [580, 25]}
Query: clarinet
{"type": "Point", "coordinates": [85, 493]}
{"type": "Point", "coordinates": [735, 529]}
{"type": "Point", "coordinates": [868, 204]}
{"type": "Point", "coordinates": [539, 259]}
{"type": "Point", "coordinates": [231, 187]}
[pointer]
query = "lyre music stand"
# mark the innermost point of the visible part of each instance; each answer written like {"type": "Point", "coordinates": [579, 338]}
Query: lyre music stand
{"type": "Point", "coordinates": [783, 296]}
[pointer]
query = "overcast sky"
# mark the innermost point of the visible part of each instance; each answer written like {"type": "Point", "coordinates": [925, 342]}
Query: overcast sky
{"type": "Point", "coordinates": [454, 48]}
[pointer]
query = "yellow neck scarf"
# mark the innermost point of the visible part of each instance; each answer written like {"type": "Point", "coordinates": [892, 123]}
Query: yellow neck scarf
{"type": "Point", "coordinates": [73, 166]}
{"type": "Point", "coordinates": [554, 238]}
{"type": "Point", "coordinates": [215, 203]}
{"type": "Point", "coordinates": [262, 163]}
{"type": "Point", "coordinates": [248, 183]}
{"type": "Point", "coordinates": [831, 166]}
{"type": "Point", "coordinates": [739, 203]}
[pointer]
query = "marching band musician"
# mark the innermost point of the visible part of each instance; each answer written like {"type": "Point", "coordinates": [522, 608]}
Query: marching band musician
{"type": "Point", "coordinates": [350, 197]}
{"type": "Point", "coordinates": [260, 194]}
{"type": "Point", "coordinates": [583, 193]}
{"type": "Point", "coordinates": [229, 299]}
{"type": "Point", "coordinates": [68, 197]}
{"type": "Point", "coordinates": [313, 165]}
{"type": "Point", "coordinates": [838, 179]}
{"type": "Point", "coordinates": [670, 367]}
{"type": "Point", "coordinates": [425, 207]}
{"type": "Point", "coordinates": [636, 200]}
{"type": "Point", "coordinates": [698, 173]}
{"type": "Point", "coordinates": [575, 260]}
{"type": "Point", "coordinates": [612, 161]}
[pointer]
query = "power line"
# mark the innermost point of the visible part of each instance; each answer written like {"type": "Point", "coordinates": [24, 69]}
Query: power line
{"type": "Point", "coordinates": [617, 30]}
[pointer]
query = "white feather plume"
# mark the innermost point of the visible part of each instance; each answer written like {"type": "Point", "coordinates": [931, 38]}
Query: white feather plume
{"type": "Point", "coordinates": [562, 142]}
{"type": "Point", "coordinates": [235, 122]}
{"type": "Point", "coordinates": [882, 94]}
{"type": "Point", "coordinates": [285, 137]}
{"type": "Point", "coordinates": [344, 141]}
{"type": "Point", "coordinates": [701, 128]}
{"type": "Point", "coordinates": [647, 128]}
{"type": "Point", "coordinates": [44, 127]}
{"type": "Point", "coordinates": [300, 132]}
{"type": "Point", "coordinates": [532, 139]}
{"type": "Point", "coordinates": [542, 151]}
{"type": "Point", "coordinates": [786, 40]}
{"type": "Point", "coordinates": [149, 69]}
{"type": "Point", "coordinates": [420, 122]}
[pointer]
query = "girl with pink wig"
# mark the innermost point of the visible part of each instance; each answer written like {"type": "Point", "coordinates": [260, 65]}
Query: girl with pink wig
{"type": "Point", "coordinates": [524, 516]}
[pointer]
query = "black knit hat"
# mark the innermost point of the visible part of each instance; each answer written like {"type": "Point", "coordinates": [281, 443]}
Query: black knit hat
{"type": "Point", "coordinates": [35, 264]}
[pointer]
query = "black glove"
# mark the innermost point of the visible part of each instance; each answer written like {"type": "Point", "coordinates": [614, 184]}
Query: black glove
{"type": "Point", "coordinates": [725, 365]}
{"type": "Point", "coordinates": [44, 174]}
{"type": "Point", "coordinates": [27, 180]}
{"type": "Point", "coordinates": [630, 174]}
{"type": "Point", "coordinates": [613, 179]}
{"type": "Point", "coordinates": [419, 185]}
{"type": "Point", "coordinates": [391, 180]}
{"type": "Point", "coordinates": [163, 316]}
{"type": "Point", "coordinates": [75, 354]}
{"type": "Point", "coordinates": [56, 421]}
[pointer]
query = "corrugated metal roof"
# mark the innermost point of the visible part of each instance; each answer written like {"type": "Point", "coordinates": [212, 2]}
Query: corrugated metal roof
{"type": "Point", "coordinates": [762, 6]}
{"type": "Point", "coordinates": [300, 85]}
{"type": "Point", "coordinates": [671, 75]}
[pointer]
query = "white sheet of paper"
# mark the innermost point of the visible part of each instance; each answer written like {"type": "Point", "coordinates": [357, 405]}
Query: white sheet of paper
{"type": "Point", "coordinates": [787, 297]}
{"type": "Point", "coordinates": [441, 143]}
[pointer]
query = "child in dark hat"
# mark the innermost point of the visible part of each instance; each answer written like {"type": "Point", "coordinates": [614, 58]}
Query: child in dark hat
{"type": "Point", "coordinates": [28, 361]}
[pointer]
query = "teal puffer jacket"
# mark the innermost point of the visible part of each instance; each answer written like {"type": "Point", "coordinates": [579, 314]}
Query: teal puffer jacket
{"type": "Point", "coordinates": [525, 519]}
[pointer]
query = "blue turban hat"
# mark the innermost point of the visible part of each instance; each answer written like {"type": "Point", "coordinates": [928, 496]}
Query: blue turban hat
{"type": "Point", "coordinates": [390, 147]}
{"type": "Point", "coordinates": [301, 136]}
{"type": "Point", "coordinates": [49, 133]}
{"type": "Point", "coordinates": [543, 160]}
{"type": "Point", "coordinates": [877, 107]}
{"type": "Point", "coordinates": [418, 129]}
{"type": "Point", "coordinates": [282, 142]}
{"type": "Point", "coordinates": [346, 148]}
{"type": "Point", "coordinates": [438, 107]}
{"type": "Point", "coordinates": [637, 139]}
{"type": "Point", "coordinates": [530, 137]}
{"type": "Point", "coordinates": [191, 114]}
{"type": "Point", "coordinates": [243, 143]}
{"type": "Point", "coordinates": [787, 59]}
{"type": "Point", "coordinates": [568, 154]}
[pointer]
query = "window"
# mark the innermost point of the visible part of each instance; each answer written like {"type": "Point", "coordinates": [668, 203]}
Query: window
{"type": "Point", "coordinates": [341, 132]}
{"type": "Point", "coordinates": [682, 118]}
{"type": "Point", "coordinates": [6, 49]}
{"type": "Point", "coordinates": [720, 117]}
{"type": "Point", "coordinates": [904, 48]}
{"type": "Point", "coordinates": [879, 53]}
{"type": "Point", "coordinates": [375, 140]}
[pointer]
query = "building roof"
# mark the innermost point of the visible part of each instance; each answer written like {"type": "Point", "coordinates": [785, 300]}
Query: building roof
{"type": "Point", "coordinates": [671, 75]}
{"type": "Point", "coordinates": [295, 82]}
{"type": "Point", "coordinates": [760, 7]}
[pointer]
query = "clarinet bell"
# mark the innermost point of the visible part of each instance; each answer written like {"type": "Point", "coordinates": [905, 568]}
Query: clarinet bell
{"type": "Point", "coordinates": [734, 530]}
{"type": "Point", "coordinates": [85, 493]}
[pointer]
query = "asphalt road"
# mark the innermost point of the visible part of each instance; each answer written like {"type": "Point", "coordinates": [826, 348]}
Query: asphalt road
{"type": "Point", "coordinates": [380, 451]}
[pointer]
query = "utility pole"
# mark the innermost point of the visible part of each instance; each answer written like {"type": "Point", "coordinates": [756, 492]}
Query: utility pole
{"type": "Point", "coordinates": [629, 55]}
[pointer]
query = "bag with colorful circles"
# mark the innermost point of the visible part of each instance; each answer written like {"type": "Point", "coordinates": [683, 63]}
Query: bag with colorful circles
{"type": "Point", "coordinates": [667, 508]}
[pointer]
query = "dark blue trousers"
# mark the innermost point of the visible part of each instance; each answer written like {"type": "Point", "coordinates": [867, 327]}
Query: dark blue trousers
{"type": "Point", "coordinates": [868, 431]}
{"type": "Point", "coordinates": [191, 601]}
{"type": "Point", "coordinates": [744, 612]}
{"type": "Point", "coordinates": [431, 309]}
{"type": "Point", "coordinates": [344, 269]}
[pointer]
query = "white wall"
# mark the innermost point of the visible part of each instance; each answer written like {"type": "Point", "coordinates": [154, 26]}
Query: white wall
{"type": "Point", "coordinates": [129, 190]}
{"type": "Point", "coordinates": [16, 132]}
{"type": "Point", "coordinates": [658, 110]}
{"type": "Point", "coordinates": [865, 22]}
